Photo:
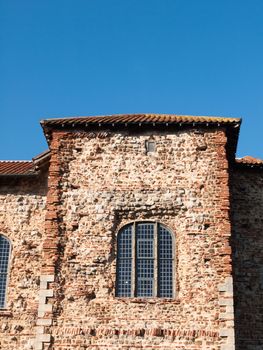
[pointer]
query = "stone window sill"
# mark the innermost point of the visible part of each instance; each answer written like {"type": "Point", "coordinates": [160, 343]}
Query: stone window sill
{"type": "Point", "coordinates": [5, 312]}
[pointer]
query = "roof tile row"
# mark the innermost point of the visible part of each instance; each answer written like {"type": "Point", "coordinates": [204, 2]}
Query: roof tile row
{"type": "Point", "coordinates": [16, 167]}
{"type": "Point", "coordinates": [248, 160]}
{"type": "Point", "coordinates": [30, 167]}
{"type": "Point", "coordinates": [138, 118]}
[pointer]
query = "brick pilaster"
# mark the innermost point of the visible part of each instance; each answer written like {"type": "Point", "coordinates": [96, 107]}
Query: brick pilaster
{"type": "Point", "coordinates": [49, 250]}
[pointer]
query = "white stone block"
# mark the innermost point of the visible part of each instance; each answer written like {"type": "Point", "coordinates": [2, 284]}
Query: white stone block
{"type": "Point", "coordinates": [44, 322]}
{"type": "Point", "coordinates": [43, 285]}
{"type": "Point", "coordinates": [44, 338]}
{"type": "Point", "coordinates": [226, 315]}
{"type": "Point", "coordinates": [228, 347]}
{"type": "Point", "coordinates": [45, 307]}
{"type": "Point", "coordinates": [226, 302]}
{"type": "Point", "coordinates": [40, 313]}
{"type": "Point", "coordinates": [40, 330]}
{"type": "Point", "coordinates": [47, 293]}
{"type": "Point", "coordinates": [38, 345]}
{"type": "Point", "coordinates": [225, 332]}
{"type": "Point", "coordinates": [227, 287]}
{"type": "Point", "coordinates": [47, 278]}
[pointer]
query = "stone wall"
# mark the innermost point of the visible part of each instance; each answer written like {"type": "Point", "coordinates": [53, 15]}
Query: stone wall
{"type": "Point", "coordinates": [22, 213]}
{"type": "Point", "coordinates": [100, 181]}
{"type": "Point", "coordinates": [247, 218]}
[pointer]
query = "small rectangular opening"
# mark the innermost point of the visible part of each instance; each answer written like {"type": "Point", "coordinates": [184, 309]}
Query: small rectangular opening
{"type": "Point", "coordinates": [150, 146]}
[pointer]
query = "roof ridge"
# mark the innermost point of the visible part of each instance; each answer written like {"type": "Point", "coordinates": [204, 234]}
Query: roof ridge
{"type": "Point", "coordinates": [186, 116]}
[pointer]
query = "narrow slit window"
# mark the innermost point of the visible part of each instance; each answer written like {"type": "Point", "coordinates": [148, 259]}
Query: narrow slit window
{"type": "Point", "coordinates": [150, 146]}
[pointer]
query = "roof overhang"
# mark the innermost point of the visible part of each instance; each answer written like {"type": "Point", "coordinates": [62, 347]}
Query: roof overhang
{"type": "Point", "coordinates": [136, 122]}
{"type": "Point", "coordinates": [249, 162]}
{"type": "Point", "coordinates": [31, 168]}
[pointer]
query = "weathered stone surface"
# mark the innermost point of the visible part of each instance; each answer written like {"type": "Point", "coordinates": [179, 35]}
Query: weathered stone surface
{"type": "Point", "coordinates": [61, 292]}
{"type": "Point", "coordinates": [247, 242]}
{"type": "Point", "coordinates": [22, 215]}
{"type": "Point", "coordinates": [111, 181]}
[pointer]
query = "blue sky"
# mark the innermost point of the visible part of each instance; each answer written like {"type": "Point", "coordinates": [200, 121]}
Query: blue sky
{"type": "Point", "coordinates": [89, 57]}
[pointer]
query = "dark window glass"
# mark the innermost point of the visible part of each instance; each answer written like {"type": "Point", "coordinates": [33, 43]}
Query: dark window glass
{"type": "Point", "coordinates": [165, 263]}
{"type": "Point", "coordinates": [4, 259]}
{"type": "Point", "coordinates": [145, 261]}
{"type": "Point", "coordinates": [124, 264]}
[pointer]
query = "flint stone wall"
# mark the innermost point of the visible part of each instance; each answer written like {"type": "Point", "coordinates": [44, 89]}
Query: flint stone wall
{"type": "Point", "coordinates": [247, 242]}
{"type": "Point", "coordinates": [102, 181]}
{"type": "Point", "coordinates": [22, 216]}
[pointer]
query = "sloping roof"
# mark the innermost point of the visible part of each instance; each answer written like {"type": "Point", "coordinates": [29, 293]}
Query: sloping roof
{"type": "Point", "coordinates": [42, 158]}
{"type": "Point", "coordinates": [132, 119]}
{"type": "Point", "coordinates": [250, 162]}
{"type": "Point", "coordinates": [145, 121]}
{"type": "Point", "coordinates": [24, 167]}
{"type": "Point", "coordinates": [16, 167]}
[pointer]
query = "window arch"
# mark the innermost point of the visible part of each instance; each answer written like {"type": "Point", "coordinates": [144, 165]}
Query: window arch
{"type": "Point", "coordinates": [145, 261]}
{"type": "Point", "coordinates": [4, 263]}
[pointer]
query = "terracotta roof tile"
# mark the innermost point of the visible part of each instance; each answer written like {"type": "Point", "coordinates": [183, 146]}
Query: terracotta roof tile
{"type": "Point", "coordinates": [16, 167]}
{"type": "Point", "coordinates": [24, 167]}
{"type": "Point", "coordinates": [145, 121]}
{"type": "Point", "coordinates": [251, 161]}
{"type": "Point", "coordinates": [138, 118]}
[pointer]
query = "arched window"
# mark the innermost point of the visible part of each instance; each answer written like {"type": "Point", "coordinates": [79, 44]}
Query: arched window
{"type": "Point", "coordinates": [145, 261]}
{"type": "Point", "coordinates": [4, 260]}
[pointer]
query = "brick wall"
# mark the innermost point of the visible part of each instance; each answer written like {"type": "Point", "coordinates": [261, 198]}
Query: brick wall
{"type": "Point", "coordinates": [99, 181]}
{"type": "Point", "coordinates": [247, 241]}
{"type": "Point", "coordinates": [22, 213]}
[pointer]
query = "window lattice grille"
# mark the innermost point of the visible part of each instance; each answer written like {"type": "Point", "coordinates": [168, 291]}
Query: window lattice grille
{"type": "Point", "coordinates": [147, 269]}
{"type": "Point", "coordinates": [145, 259]}
{"type": "Point", "coordinates": [165, 263]}
{"type": "Point", "coordinates": [124, 264]}
{"type": "Point", "coordinates": [4, 259]}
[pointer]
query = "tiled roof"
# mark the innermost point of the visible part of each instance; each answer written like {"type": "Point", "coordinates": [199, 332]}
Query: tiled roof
{"type": "Point", "coordinates": [16, 167]}
{"type": "Point", "coordinates": [24, 167]}
{"type": "Point", "coordinates": [42, 158]}
{"type": "Point", "coordinates": [250, 161]}
{"type": "Point", "coordinates": [131, 119]}
{"type": "Point", "coordinates": [143, 121]}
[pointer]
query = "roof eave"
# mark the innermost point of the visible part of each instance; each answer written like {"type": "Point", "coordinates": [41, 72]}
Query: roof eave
{"type": "Point", "coordinates": [33, 174]}
{"type": "Point", "coordinates": [78, 123]}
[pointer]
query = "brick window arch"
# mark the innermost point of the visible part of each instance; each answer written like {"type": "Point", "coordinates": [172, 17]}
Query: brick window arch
{"type": "Point", "coordinates": [5, 248]}
{"type": "Point", "coordinates": [145, 261]}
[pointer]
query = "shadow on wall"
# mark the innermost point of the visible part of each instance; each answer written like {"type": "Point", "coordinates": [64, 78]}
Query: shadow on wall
{"type": "Point", "coordinates": [247, 243]}
{"type": "Point", "coordinates": [28, 185]}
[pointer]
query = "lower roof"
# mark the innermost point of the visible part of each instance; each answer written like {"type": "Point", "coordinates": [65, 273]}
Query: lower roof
{"type": "Point", "coordinates": [250, 162]}
{"type": "Point", "coordinates": [16, 167]}
{"type": "Point", "coordinates": [24, 167]}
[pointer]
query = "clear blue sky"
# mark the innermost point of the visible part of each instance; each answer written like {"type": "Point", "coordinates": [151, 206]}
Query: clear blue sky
{"type": "Point", "coordinates": [89, 57]}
